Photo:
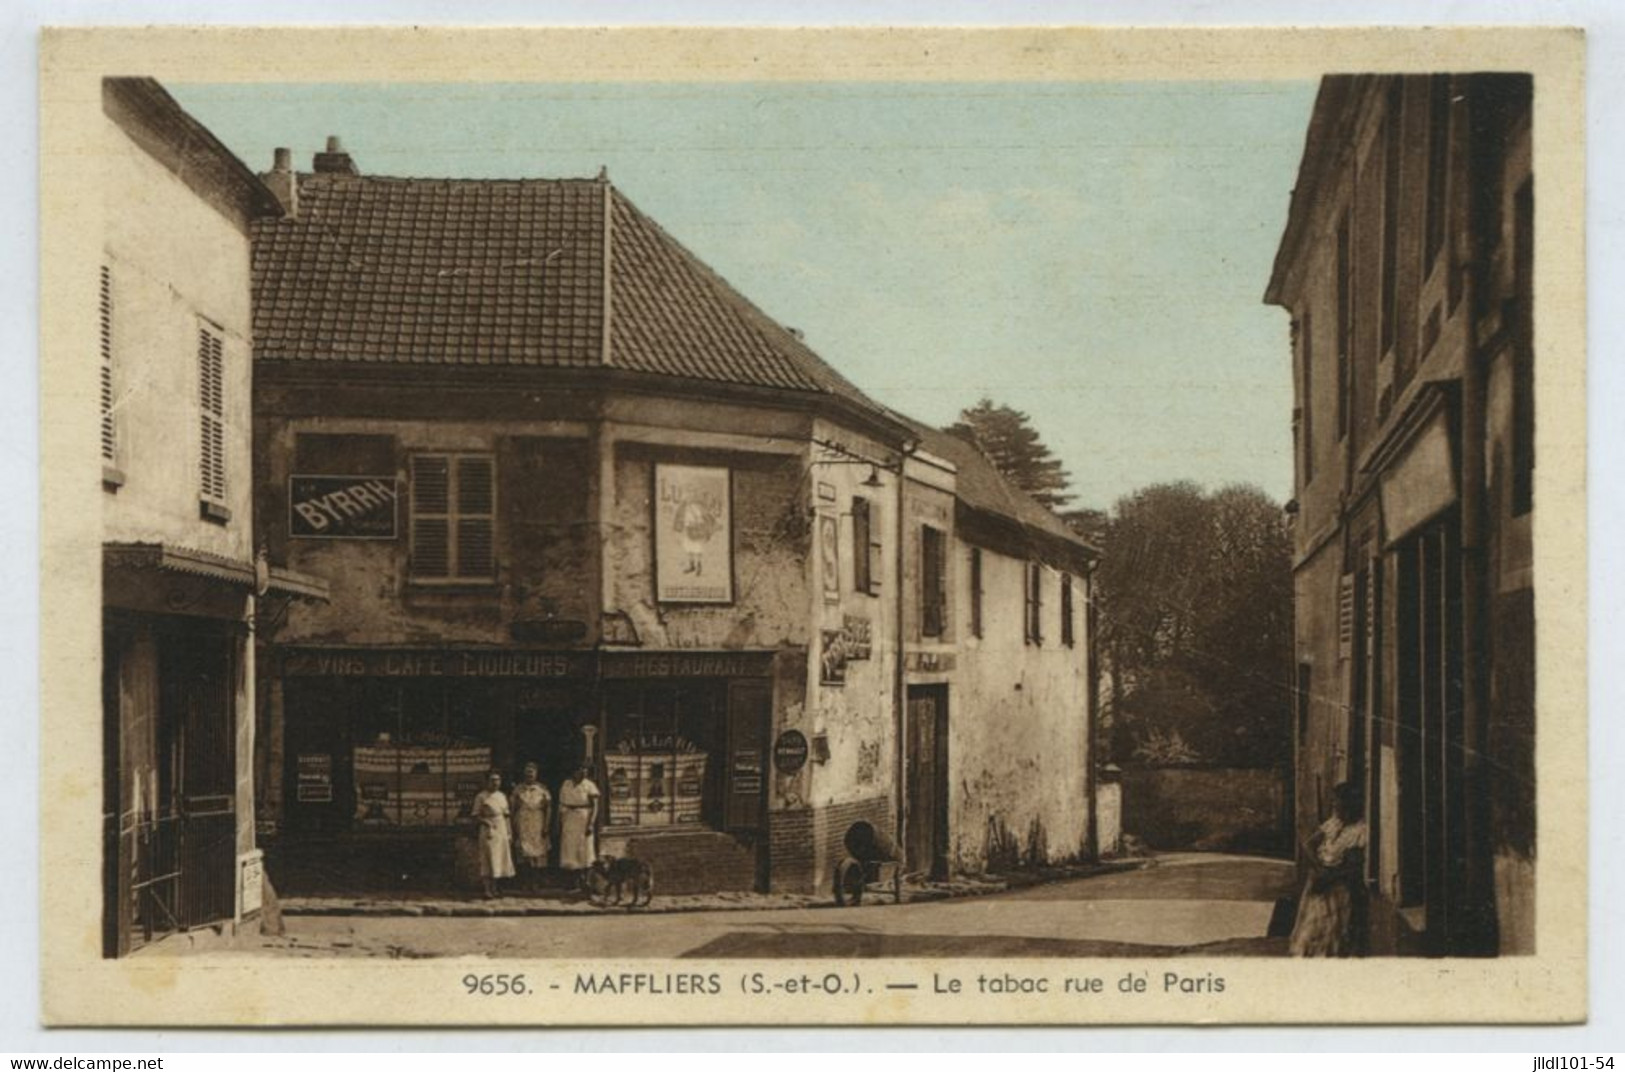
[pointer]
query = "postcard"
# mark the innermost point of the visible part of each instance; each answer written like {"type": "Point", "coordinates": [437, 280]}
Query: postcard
{"type": "Point", "coordinates": [740, 526]}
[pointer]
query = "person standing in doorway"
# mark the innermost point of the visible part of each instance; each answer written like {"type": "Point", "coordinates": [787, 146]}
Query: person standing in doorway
{"type": "Point", "coordinates": [578, 814]}
{"type": "Point", "coordinates": [532, 824]}
{"type": "Point", "coordinates": [1332, 909]}
{"type": "Point", "coordinates": [491, 811]}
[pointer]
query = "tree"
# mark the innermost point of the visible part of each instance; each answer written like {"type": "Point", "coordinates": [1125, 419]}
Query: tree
{"type": "Point", "coordinates": [1195, 625]}
{"type": "Point", "coordinates": [1006, 436]}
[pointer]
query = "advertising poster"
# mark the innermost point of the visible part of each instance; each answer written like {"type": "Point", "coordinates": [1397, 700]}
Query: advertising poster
{"type": "Point", "coordinates": [693, 534]}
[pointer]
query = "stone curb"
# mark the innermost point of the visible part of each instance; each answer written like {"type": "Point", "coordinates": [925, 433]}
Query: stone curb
{"type": "Point", "coordinates": [521, 907]}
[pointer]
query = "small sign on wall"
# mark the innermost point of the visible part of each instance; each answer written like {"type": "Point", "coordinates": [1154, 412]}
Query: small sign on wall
{"type": "Point", "coordinates": [315, 779]}
{"type": "Point", "coordinates": [829, 556]}
{"type": "Point", "coordinates": [693, 534]}
{"type": "Point", "coordinates": [343, 507]}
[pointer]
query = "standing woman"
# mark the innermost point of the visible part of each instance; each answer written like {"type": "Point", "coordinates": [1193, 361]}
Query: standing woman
{"type": "Point", "coordinates": [578, 812]}
{"type": "Point", "coordinates": [1331, 910]}
{"type": "Point", "coordinates": [532, 824]}
{"type": "Point", "coordinates": [496, 835]}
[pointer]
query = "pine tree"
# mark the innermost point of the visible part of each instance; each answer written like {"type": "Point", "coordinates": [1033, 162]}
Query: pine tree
{"type": "Point", "coordinates": [1011, 443]}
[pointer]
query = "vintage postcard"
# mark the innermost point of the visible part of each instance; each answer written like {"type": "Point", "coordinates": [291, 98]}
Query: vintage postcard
{"type": "Point", "coordinates": [813, 526]}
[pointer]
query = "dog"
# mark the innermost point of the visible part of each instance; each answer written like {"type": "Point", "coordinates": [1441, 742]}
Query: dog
{"type": "Point", "coordinates": [617, 874]}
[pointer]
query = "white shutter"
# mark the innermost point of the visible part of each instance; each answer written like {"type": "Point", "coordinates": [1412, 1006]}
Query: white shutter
{"type": "Point", "coordinates": [109, 429]}
{"type": "Point", "coordinates": [212, 404]}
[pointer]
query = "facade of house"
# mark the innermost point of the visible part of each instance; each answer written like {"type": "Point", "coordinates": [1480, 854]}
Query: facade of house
{"type": "Point", "coordinates": [1406, 266]}
{"type": "Point", "coordinates": [582, 503]}
{"type": "Point", "coordinates": [181, 584]}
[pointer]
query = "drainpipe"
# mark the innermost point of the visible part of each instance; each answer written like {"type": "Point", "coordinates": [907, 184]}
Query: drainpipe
{"type": "Point", "coordinates": [899, 682]}
{"type": "Point", "coordinates": [1091, 716]}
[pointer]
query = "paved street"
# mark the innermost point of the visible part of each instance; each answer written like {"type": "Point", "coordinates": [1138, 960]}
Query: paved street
{"type": "Point", "coordinates": [1181, 901]}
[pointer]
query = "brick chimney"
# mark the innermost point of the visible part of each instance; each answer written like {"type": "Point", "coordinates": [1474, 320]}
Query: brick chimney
{"type": "Point", "coordinates": [282, 182]}
{"type": "Point", "coordinates": [335, 161]}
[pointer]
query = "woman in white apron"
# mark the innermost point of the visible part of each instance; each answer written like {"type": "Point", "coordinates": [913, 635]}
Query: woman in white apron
{"type": "Point", "coordinates": [578, 814]}
{"type": "Point", "coordinates": [495, 834]}
{"type": "Point", "coordinates": [532, 824]}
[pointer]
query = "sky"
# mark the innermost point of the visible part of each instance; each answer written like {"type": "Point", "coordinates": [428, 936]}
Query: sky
{"type": "Point", "coordinates": [1093, 254]}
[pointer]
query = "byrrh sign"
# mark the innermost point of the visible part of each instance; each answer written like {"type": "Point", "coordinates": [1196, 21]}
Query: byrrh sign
{"type": "Point", "coordinates": [343, 507]}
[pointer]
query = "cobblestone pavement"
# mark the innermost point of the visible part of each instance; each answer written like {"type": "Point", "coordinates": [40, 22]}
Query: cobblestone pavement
{"type": "Point", "coordinates": [1176, 904]}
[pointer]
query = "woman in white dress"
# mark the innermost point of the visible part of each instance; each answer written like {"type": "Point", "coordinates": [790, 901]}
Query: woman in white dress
{"type": "Point", "coordinates": [578, 813]}
{"type": "Point", "coordinates": [1329, 912]}
{"type": "Point", "coordinates": [532, 824]}
{"type": "Point", "coordinates": [495, 834]}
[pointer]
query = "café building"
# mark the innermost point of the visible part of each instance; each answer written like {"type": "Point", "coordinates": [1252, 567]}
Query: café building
{"type": "Point", "coordinates": [564, 482]}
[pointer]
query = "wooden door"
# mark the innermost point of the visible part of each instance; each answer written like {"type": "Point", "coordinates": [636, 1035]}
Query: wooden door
{"type": "Point", "coordinates": [926, 773]}
{"type": "Point", "coordinates": [750, 710]}
{"type": "Point", "coordinates": [198, 692]}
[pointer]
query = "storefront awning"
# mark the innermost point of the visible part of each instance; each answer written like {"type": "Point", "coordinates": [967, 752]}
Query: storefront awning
{"type": "Point", "coordinates": [171, 558]}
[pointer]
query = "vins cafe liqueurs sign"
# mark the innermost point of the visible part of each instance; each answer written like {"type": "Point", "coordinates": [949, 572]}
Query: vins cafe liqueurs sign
{"type": "Point", "coordinates": [693, 534]}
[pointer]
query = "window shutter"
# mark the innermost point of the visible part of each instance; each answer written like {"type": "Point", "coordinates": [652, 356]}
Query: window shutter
{"type": "Point", "coordinates": [211, 390]}
{"type": "Point", "coordinates": [109, 430]}
{"type": "Point", "coordinates": [931, 581]}
{"type": "Point", "coordinates": [431, 527]}
{"type": "Point", "coordinates": [476, 504]}
{"type": "Point", "coordinates": [976, 591]}
{"type": "Point", "coordinates": [453, 517]}
{"type": "Point", "coordinates": [1068, 636]}
{"type": "Point", "coordinates": [860, 544]}
{"type": "Point", "coordinates": [877, 567]}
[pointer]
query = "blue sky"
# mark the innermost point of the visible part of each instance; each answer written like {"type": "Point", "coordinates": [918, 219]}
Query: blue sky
{"type": "Point", "coordinates": [1091, 253]}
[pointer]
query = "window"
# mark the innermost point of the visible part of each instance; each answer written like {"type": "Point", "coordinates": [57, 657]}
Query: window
{"type": "Point", "coordinates": [1306, 356]}
{"type": "Point", "coordinates": [1034, 617]}
{"type": "Point", "coordinates": [1390, 215]}
{"type": "Point", "coordinates": [105, 310]}
{"type": "Point", "coordinates": [866, 549]}
{"type": "Point", "coordinates": [1305, 680]}
{"type": "Point", "coordinates": [1068, 636]}
{"type": "Point", "coordinates": [1345, 328]}
{"type": "Point", "coordinates": [453, 517]}
{"type": "Point", "coordinates": [933, 581]}
{"type": "Point", "coordinates": [212, 405]}
{"type": "Point", "coordinates": [976, 591]}
{"type": "Point", "coordinates": [1438, 167]}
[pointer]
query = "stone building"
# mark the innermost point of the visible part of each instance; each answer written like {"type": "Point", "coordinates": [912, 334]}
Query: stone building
{"type": "Point", "coordinates": [181, 585]}
{"type": "Point", "coordinates": [1407, 268]}
{"type": "Point", "coordinates": [580, 501]}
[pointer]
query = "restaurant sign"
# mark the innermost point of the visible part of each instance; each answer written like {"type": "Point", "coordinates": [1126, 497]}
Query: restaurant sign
{"type": "Point", "coordinates": [343, 507]}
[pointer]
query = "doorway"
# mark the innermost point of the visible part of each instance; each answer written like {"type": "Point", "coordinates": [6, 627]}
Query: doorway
{"type": "Point", "coordinates": [926, 781]}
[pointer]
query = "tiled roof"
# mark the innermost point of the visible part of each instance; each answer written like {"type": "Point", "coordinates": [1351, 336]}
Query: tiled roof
{"type": "Point", "coordinates": [979, 485]}
{"type": "Point", "coordinates": [491, 272]}
{"type": "Point", "coordinates": [433, 271]}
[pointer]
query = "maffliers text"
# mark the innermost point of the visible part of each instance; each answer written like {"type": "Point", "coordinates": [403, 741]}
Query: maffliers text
{"type": "Point", "coordinates": [649, 983]}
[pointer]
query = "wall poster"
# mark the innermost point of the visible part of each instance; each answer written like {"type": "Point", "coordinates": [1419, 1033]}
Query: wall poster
{"type": "Point", "coordinates": [693, 534]}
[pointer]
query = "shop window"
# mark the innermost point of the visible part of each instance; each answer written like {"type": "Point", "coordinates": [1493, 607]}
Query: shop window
{"type": "Point", "coordinates": [212, 405]}
{"type": "Point", "coordinates": [1428, 745]}
{"type": "Point", "coordinates": [976, 591]}
{"type": "Point", "coordinates": [933, 581]}
{"type": "Point", "coordinates": [453, 518]}
{"type": "Point", "coordinates": [1034, 616]}
{"type": "Point", "coordinates": [866, 547]}
{"type": "Point", "coordinates": [1068, 636]}
{"type": "Point", "coordinates": [422, 750]}
{"type": "Point", "coordinates": [662, 755]}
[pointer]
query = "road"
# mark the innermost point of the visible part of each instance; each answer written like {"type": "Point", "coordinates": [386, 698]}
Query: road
{"type": "Point", "coordinates": [1178, 903]}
